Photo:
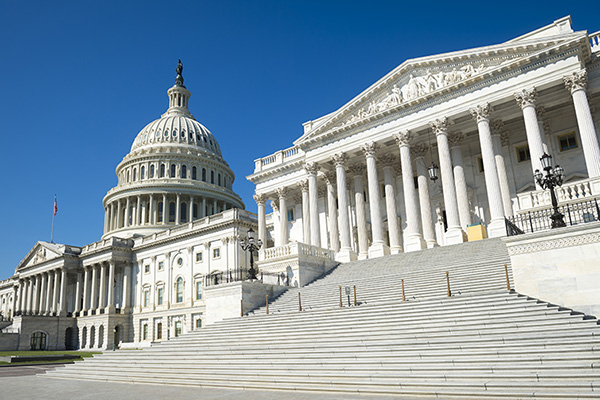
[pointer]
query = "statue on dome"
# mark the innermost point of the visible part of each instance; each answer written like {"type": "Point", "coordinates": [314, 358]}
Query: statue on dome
{"type": "Point", "coordinates": [179, 70]}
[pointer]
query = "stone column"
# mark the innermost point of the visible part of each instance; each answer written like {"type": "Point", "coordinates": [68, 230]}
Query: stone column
{"type": "Point", "coordinates": [419, 150]}
{"type": "Point", "coordinates": [460, 182]}
{"type": "Point", "coordinates": [191, 210]}
{"type": "Point", "coordinates": [589, 139]}
{"type": "Point", "coordinates": [102, 291]}
{"type": "Point", "coordinates": [346, 253]}
{"type": "Point", "coordinates": [305, 211]}
{"type": "Point", "coordinates": [63, 292]}
{"type": "Point", "coordinates": [138, 211]}
{"type": "Point", "coordinates": [43, 291]}
{"type": "Point", "coordinates": [19, 306]}
{"type": "Point", "coordinates": [378, 247]}
{"type": "Point", "coordinates": [496, 226]}
{"type": "Point", "coordinates": [86, 288]}
{"type": "Point", "coordinates": [55, 299]}
{"type": "Point", "coordinates": [283, 220]}
{"type": "Point", "coordinates": [110, 307]}
{"type": "Point", "coordinates": [497, 129]}
{"type": "Point", "coordinates": [165, 213]}
{"type": "Point", "coordinates": [535, 138]}
{"type": "Point", "coordinates": [311, 169]}
{"type": "Point", "coordinates": [36, 289]}
{"type": "Point", "coordinates": [178, 209]}
{"type": "Point", "coordinates": [203, 211]}
{"type": "Point", "coordinates": [332, 213]}
{"type": "Point", "coordinates": [454, 234]}
{"type": "Point", "coordinates": [106, 217]}
{"type": "Point", "coordinates": [151, 211]}
{"type": "Point", "coordinates": [29, 295]}
{"type": "Point", "coordinates": [77, 307]}
{"type": "Point", "coordinates": [388, 162]}
{"type": "Point", "coordinates": [93, 297]}
{"type": "Point", "coordinates": [357, 171]}
{"type": "Point", "coordinates": [413, 239]}
{"type": "Point", "coordinates": [119, 215]}
{"type": "Point", "coordinates": [126, 288]}
{"type": "Point", "coordinates": [127, 213]}
{"type": "Point", "coordinates": [111, 216]}
{"type": "Point", "coordinates": [262, 218]}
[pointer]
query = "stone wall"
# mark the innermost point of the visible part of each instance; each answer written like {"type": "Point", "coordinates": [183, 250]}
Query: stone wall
{"type": "Point", "coordinates": [9, 341]}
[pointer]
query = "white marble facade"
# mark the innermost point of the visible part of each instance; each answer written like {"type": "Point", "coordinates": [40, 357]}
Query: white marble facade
{"type": "Point", "coordinates": [356, 181]}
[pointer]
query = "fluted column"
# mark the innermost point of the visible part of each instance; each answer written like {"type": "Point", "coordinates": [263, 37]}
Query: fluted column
{"type": "Point", "coordinates": [311, 169]}
{"type": "Point", "coordinates": [497, 130]}
{"type": "Point", "coordinates": [178, 210]}
{"type": "Point", "coordinates": [56, 294]}
{"type": "Point", "coordinates": [535, 139]}
{"type": "Point", "coordinates": [388, 162]}
{"type": "Point", "coordinates": [346, 253]}
{"type": "Point", "coordinates": [262, 217]}
{"type": "Point", "coordinates": [63, 293]}
{"type": "Point", "coordinates": [496, 227]}
{"type": "Point", "coordinates": [332, 214]}
{"type": "Point", "coordinates": [110, 306]}
{"type": "Point", "coordinates": [283, 221]}
{"type": "Point", "coordinates": [94, 289]}
{"type": "Point", "coordinates": [77, 307]}
{"type": "Point", "coordinates": [454, 234]}
{"type": "Point", "coordinates": [413, 239]}
{"type": "Point", "coordinates": [589, 139]}
{"type": "Point", "coordinates": [305, 211]}
{"type": "Point", "coordinates": [419, 150]}
{"type": "Point", "coordinates": [165, 213]}
{"type": "Point", "coordinates": [460, 182]}
{"type": "Point", "coordinates": [357, 171]}
{"type": "Point", "coordinates": [86, 288]}
{"type": "Point", "coordinates": [102, 292]}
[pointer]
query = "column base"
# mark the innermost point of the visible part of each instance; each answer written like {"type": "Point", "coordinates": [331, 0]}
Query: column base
{"type": "Point", "coordinates": [378, 250]}
{"type": "Point", "coordinates": [454, 235]}
{"type": "Point", "coordinates": [431, 243]}
{"type": "Point", "coordinates": [396, 250]}
{"type": "Point", "coordinates": [496, 228]}
{"type": "Point", "coordinates": [414, 242]}
{"type": "Point", "coordinates": [109, 310]}
{"type": "Point", "coordinates": [346, 255]}
{"type": "Point", "coordinates": [363, 256]}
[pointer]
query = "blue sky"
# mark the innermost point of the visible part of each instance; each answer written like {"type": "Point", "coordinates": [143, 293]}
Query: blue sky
{"type": "Point", "coordinates": [79, 79]}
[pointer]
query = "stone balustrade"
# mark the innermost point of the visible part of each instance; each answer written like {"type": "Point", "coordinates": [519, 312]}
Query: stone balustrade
{"type": "Point", "coordinates": [278, 158]}
{"type": "Point", "coordinates": [568, 192]}
{"type": "Point", "coordinates": [595, 41]}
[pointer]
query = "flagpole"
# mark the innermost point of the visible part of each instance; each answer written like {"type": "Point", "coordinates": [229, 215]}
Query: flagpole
{"type": "Point", "coordinates": [53, 215]}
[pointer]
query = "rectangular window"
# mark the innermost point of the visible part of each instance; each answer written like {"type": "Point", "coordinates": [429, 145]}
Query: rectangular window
{"type": "Point", "coordinates": [159, 299]}
{"type": "Point", "coordinates": [217, 252]}
{"type": "Point", "coordinates": [199, 256]}
{"type": "Point", "coordinates": [159, 331]}
{"type": "Point", "coordinates": [147, 268]}
{"type": "Point", "coordinates": [523, 153]}
{"type": "Point", "coordinates": [146, 298]}
{"type": "Point", "coordinates": [199, 323]}
{"type": "Point", "coordinates": [290, 214]}
{"type": "Point", "coordinates": [178, 327]}
{"type": "Point", "coordinates": [145, 332]}
{"type": "Point", "coordinates": [567, 141]}
{"type": "Point", "coordinates": [161, 265]}
{"type": "Point", "coordinates": [199, 290]}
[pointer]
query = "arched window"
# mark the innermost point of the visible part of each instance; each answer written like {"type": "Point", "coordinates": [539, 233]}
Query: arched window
{"type": "Point", "coordinates": [38, 341]}
{"type": "Point", "coordinates": [195, 211]}
{"type": "Point", "coordinates": [127, 176]}
{"type": "Point", "coordinates": [219, 179]}
{"type": "Point", "coordinates": [171, 212]}
{"type": "Point", "coordinates": [183, 212]}
{"type": "Point", "coordinates": [92, 336]}
{"type": "Point", "coordinates": [194, 173]}
{"type": "Point", "coordinates": [172, 170]}
{"type": "Point", "coordinates": [183, 171]}
{"type": "Point", "coordinates": [101, 336]}
{"type": "Point", "coordinates": [162, 170]}
{"type": "Point", "coordinates": [212, 177]}
{"type": "Point", "coordinates": [179, 290]}
{"type": "Point", "coordinates": [160, 211]}
{"type": "Point", "coordinates": [152, 171]}
{"type": "Point", "coordinates": [135, 174]}
{"type": "Point", "coordinates": [203, 174]}
{"type": "Point", "coordinates": [143, 172]}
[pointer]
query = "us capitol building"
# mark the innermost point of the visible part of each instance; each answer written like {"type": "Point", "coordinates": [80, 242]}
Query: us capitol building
{"type": "Point", "coordinates": [441, 150]}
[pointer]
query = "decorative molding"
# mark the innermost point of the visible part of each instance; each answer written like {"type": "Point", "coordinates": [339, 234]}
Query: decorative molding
{"type": "Point", "coordinates": [282, 193]}
{"type": "Point", "coordinates": [420, 149]}
{"type": "Point", "coordinates": [260, 199]}
{"type": "Point", "coordinates": [526, 97]}
{"type": "Point", "coordinates": [303, 185]}
{"type": "Point", "coordinates": [554, 243]}
{"type": "Point", "coordinates": [576, 81]}
{"type": "Point", "coordinates": [456, 139]}
{"type": "Point", "coordinates": [311, 168]}
{"type": "Point", "coordinates": [481, 112]}
{"type": "Point", "coordinates": [339, 159]}
{"type": "Point", "coordinates": [357, 169]}
{"type": "Point", "coordinates": [369, 149]}
{"type": "Point", "coordinates": [439, 126]}
{"type": "Point", "coordinates": [403, 138]}
{"type": "Point", "coordinates": [329, 177]}
{"type": "Point", "coordinates": [388, 159]}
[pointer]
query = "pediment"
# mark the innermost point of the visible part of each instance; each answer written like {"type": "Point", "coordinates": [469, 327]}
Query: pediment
{"type": "Point", "coordinates": [40, 253]}
{"type": "Point", "coordinates": [421, 79]}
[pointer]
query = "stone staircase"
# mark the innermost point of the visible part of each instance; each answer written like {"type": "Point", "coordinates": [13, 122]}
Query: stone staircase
{"type": "Point", "coordinates": [484, 343]}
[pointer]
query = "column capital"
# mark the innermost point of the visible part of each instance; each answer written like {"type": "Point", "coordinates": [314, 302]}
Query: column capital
{"type": "Point", "coordinates": [439, 126]}
{"type": "Point", "coordinates": [481, 112]}
{"type": "Point", "coordinates": [576, 81]}
{"type": "Point", "coordinates": [274, 205]}
{"type": "Point", "coordinates": [369, 149]}
{"type": "Point", "coordinates": [282, 192]}
{"type": "Point", "coordinates": [260, 199]}
{"type": "Point", "coordinates": [311, 168]}
{"type": "Point", "coordinates": [497, 126]}
{"type": "Point", "coordinates": [419, 149]}
{"type": "Point", "coordinates": [526, 97]}
{"type": "Point", "coordinates": [321, 192]}
{"type": "Point", "coordinates": [339, 159]}
{"type": "Point", "coordinates": [329, 177]}
{"type": "Point", "coordinates": [303, 185]}
{"type": "Point", "coordinates": [403, 138]}
{"type": "Point", "coordinates": [357, 169]}
{"type": "Point", "coordinates": [388, 160]}
{"type": "Point", "coordinates": [456, 139]}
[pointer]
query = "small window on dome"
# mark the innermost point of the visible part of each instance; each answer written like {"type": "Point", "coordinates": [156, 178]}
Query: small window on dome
{"type": "Point", "coordinates": [172, 170]}
{"type": "Point", "coordinates": [183, 172]}
{"type": "Point", "coordinates": [219, 179]}
{"type": "Point", "coordinates": [204, 137]}
{"type": "Point", "coordinates": [143, 172]}
{"type": "Point", "coordinates": [174, 133]}
{"type": "Point", "coordinates": [162, 170]}
{"type": "Point", "coordinates": [203, 174]}
{"type": "Point", "coordinates": [166, 134]}
{"type": "Point", "coordinates": [194, 173]}
{"type": "Point", "coordinates": [152, 171]}
{"type": "Point", "coordinates": [212, 177]}
{"type": "Point", "coordinates": [157, 134]}
{"type": "Point", "coordinates": [198, 136]}
{"type": "Point", "coordinates": [135, 174]}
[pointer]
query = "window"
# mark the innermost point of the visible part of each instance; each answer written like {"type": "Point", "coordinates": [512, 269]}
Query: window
{"type": "Point", "coordinates": [178, 326]}
{"type": "Point", "coordinates": [179, 290]}
{"type": "Point", "coordinates": [135, 174]}
{"type": "Point", "coordinates": [159, 331]}
{"type": "Point", "coordinates": [194, 173]}
{"type": "Point", "coordinates": [162, 170]}
{"type": "Point", "coordinates": [212, 177]}
{"type": "Point", "coordinates": [199, 290]}
{"type": "Point", "coordinates": [199, 256]}
{"type": "Point", "coordinates": [161, 265]}
{"type": "Point", "coordinates": [217, 252]}
{"type": "Point", "coordinates": [160, 211]}
{"type": "Point", "coordinates": [172, 170]}
{"type": "Point", "coordinates": [147, 298]}
{"type": "Point", "coordinates": [567, 141]}
{"type": "Point", "coordinates": [203, 174]}
{"type": "Point", "coordinates": [219, 179]}
{"type": "Point", "coordinates": [172, 212]}
{"type": "Point", "coordinates": [38, 341]}
{"type": "Point", "coordinates": [183, 171]}
{"type": "Point", "coordinates": [145, 332]}
{"type": "Point", "coordinates": [147, 268]}
{"type": "Point", "coordinates": [523, 153]}
{"type": "Point", "coordinates": [290, 214]}
{"type": "Point", "coordinates": [143, 172]}
{"type": "Point", "coordinates": [180, 261]}
{"type": "Point", "coordinates": [199, 323]}
{"type": "Point", "coordinates": [152, 171]}
{"type": "Point", "coordinates": [183, 212]}
{"type": "Point", "coordinates": [159, 296]}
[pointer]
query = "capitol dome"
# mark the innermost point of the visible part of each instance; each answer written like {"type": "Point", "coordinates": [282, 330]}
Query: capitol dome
{"type": "Point", "coordinates": [174, 174]}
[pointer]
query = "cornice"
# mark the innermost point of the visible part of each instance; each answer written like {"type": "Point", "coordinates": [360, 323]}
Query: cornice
{"type": "Point", "coordinates": [296, 164]}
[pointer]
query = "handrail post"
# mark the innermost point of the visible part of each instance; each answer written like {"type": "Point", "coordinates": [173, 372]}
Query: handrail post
{"type": "Point", "coordinates": [355, 304]}
{"type": "Point", "coordinates": [241, 307]}
{"type": "Point", "coordinates": [448, 284]}
{"type": "Point", "coordinates": [299, 302]}
{"type": "Point", "coordinates": [403, 296]}
{"type": "Point", "coordinates": [340, 296]}
{"type": "Point", "coordinates": [507, 280]}
{"type": "Point", "coordinates": [267, 300]}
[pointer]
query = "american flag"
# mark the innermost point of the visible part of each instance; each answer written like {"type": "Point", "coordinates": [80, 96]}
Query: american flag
{"type": "Point", "coordinates": [55, 205]}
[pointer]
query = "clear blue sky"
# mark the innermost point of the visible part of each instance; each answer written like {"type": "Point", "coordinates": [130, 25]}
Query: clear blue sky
{"type": "Point", "coordinates": [79, 79]}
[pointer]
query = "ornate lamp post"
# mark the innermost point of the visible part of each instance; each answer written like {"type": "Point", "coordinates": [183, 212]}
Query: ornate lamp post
{"type": "Point", "coordinates": [434, 171]}
{"type": "Point", "coordinates": [554, 177]}
{"type": "Point", "coordinates": [251, 245]}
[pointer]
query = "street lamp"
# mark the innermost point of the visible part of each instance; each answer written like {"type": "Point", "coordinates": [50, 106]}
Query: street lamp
{"type": "Point", "coordinates": [251, 245]}
{"type": "Point", "coordinates": [554, 177]}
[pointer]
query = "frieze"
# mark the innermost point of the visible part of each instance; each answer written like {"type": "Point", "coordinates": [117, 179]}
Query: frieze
{"type": "Point", "coordinates": [550, 244]}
